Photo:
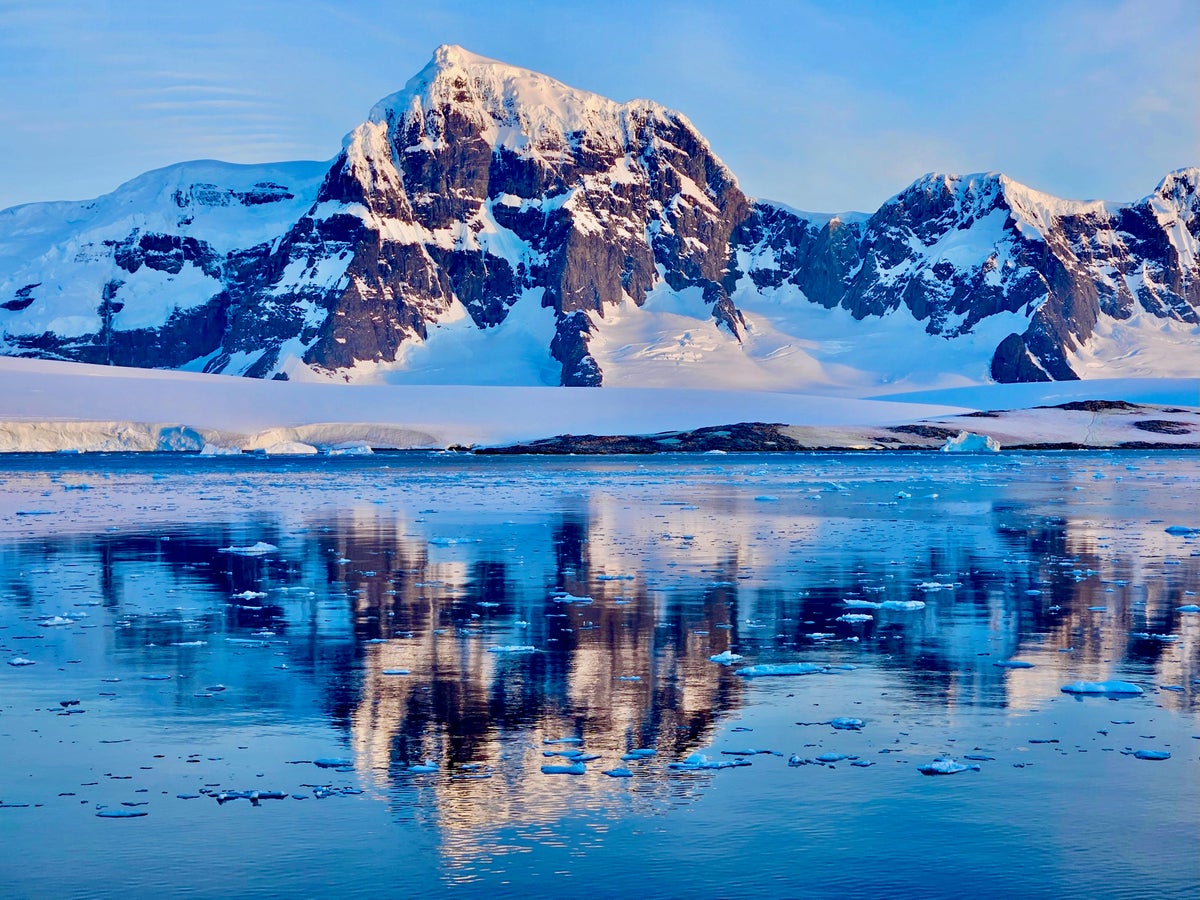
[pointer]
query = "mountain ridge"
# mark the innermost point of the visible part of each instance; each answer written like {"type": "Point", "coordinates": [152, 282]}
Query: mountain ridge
{"type": "Point", "coordinates": [481, 190]}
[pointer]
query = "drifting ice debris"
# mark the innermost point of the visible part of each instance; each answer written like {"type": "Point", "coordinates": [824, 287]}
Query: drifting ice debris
{"type": "Point", "coordinates": [845, 723]}
{"type": "Point", "coordinates": [566, 740]}
{"type": "Point", "coordinates": [1115, 688]}
{"type": "Point", "coordinates": [832, 757]}
{"type": "Point", "coordinates": [19, 661]}
{"type": "Point", "coordinates": [861, 604]}
{"type": "Point", "coordinates": [513, 648]}
{"type": "Point", "coordinates": [618, 772]}
{"type": "Point", "coordinates": [396, 672]}
{"type": "Point", "coordinates": [1181, 530]}
{"type": "Point", "coordinates": [576, 769]}
{"type": "Point", "coordinates": [795, 760]}
{"type": "Point", "coordinates": [768, 670]}
{"type": "Point", "coordinates": [425, 768]}
{"type": "Point", "coordinates": [121, 813]}
{"type": "Point", "coordinates": [725, 657]}
{"type": "Point", "coordinates": [1151, 754]}
{"type": "Point", "coordinates": [564, 597]}
{"type": "Point", "coordinates": [1189, 608]}
{"type": "Point", "coordinates": [259, 549]}
{"type": "Point", "coordinates": [1013, 664]}
{"type": "Point", "coordinates": [55, 621]}
{"type": "Point", "coordinates": [253, 796]}
{"type": "Point", "coordinates": [247, 595]}
{"type": "Point", "coordinates": [855, 618]}
{"type": "Point", "coordinates": [640, 753]}
{"type": "Point", "coordinates": [330, 762]}
{"type": "Point", "coordinates": [698, 762]}
{"type": "Point", "coordinates": [970, 442]}
{"type": "Point", "coordinates": [943, 765]}
{"type": "Point", "coordinates": [902, 604]}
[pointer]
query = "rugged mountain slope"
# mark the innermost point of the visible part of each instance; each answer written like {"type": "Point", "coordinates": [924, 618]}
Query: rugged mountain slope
{"type": "Point", "coordinates": [490, 224]}
{"type": "Point", "coordinates": [956, 251]}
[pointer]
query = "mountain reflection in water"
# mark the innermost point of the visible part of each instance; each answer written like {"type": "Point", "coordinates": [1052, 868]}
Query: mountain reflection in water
{"type": "Point", "coordinates": [471, 616]}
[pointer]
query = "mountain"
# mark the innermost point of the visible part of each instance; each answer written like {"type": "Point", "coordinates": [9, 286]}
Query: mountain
{"type": "Point", "coordinates": [487, 224]}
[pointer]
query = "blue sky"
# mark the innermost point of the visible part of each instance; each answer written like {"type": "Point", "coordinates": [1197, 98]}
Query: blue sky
{"type": "Point", "coordinates": [825, 106]}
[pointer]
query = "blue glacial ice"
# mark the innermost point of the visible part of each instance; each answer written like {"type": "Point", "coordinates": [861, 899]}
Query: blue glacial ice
{"type": "Point", "coordinates": [768, 670]}
{"type": "Point", "coordinates": [1115, 688]}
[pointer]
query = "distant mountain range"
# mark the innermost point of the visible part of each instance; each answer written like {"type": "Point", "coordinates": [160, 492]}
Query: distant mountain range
{"type": "Point", "coordinates": [490, 225]}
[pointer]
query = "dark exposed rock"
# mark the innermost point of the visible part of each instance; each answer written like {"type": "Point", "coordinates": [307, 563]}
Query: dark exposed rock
{"type": "Point", "coordinates": [1162, 426]}
{"type": "Point", "coordinates": [928, 431]}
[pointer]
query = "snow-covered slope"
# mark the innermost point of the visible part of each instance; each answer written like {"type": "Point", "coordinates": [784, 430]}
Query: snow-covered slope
{"type": "Point", "coordinates": [490, 225]}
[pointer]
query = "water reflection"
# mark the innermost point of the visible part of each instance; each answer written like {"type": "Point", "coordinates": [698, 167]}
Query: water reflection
{"type": "Point", "coordinates": [623, 589]}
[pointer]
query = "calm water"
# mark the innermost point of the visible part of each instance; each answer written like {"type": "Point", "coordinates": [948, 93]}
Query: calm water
{"type": "Point", "coordinates": [368, 632]}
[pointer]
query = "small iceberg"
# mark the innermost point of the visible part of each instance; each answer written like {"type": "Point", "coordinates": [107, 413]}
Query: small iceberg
{"type": "Point", "coordinates": [55, 622]}
{"type": "Point", "coordinates": [329, 762]}
{"type": "Point", "coordinates": [19, 661]}
{"type": "Point", "coordinates": [426, 768]}
{"type": "Point", "coordinates": [259, 549]}
{"type": "Point", "coordinates": [1013, 664]}
{"type": "Point", "coordinates": [944, 765]}
{"type": "Point", "coordinates": [698, 762]}
{"type": "Point", "coordinates": [845, 723]}
{"type": "Point", "coordinates": [513, 648]}
{"type": "Point", "coordinates": [902, 604]}
{"type": "Point", "coordinates": [855, 618]}
{"type": "Point", "coordinates": [970, 442]}
{"type": "Point", "coordinates": [768, 670]}
{"type": "Point", "coordinates": [1189, 608]}
{"type": "Point", "coordinates": [1112, 688]}
{"type": "Point", "coordinates": [1151, 754]}
{"type": "Point", "coordinates": [396, 672]}
{"type": "Point", "coordinates": [618, 772]}
{"type": "Point", "coordinates": [726, 657]}
{"type": "Point", "coordinates": [575, 769]}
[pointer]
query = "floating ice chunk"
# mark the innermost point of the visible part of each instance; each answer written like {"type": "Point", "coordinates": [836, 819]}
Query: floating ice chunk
{"type": "Point", "coordinates": [845, 723]}
{"type": "Point", "coordinates": [970, 442]}
{"type": "Point", "coordinates": [618, 772]}
{"type": "Point", "coordinates": [259, 549]}
{"type": "Point", "coordinates": [768, 670]}
{"type": "Point", "coordinates": [19, 661]}
{"type": "Point", "coordinates": [155, 677]}
{"type": "Point", "coordinates": [1181, 530]}
{"type": "Point", "coordinates": [944, 765]}
{"type": "Point", "coordinates": [1115, 688]}
{"type": "Point", "coordinates": [832, 757]}
{"type": "Point", "coordinates": [855, 618]}
{"type": "Point", "coordinates": [640, 753]}
{"type": "Point", "coordinates": [246, 595]}
{"type": "Point", "coordinates": [1189, 608]}
{"type": "Point", "coordinates": [1013, 664]}
{"type": "Point", "coordinates": [902, 604]}
{"type": "Point", "coordinates": [629, 678]}
{"type": "Point", "coordinates": [726, 657]}
{"type": "Point", "coordinates": [1151, 754]}
{"type": "Point", "coordinates": [189, 643]}
{"type": "Point", "coordinates": [861, 604]}
{"type": "Point", "coordinates": [218, 450]}
{"type": "Point", "coordinates": [697, 762]}
{"type": "Point", "coordinates": [766, 498]}
{"type": "Point", "coordinates": [351, 448]}
{"type": "Point", "coordinates": [290, 448]}
{"type": "Point", "coordinates": [513, 648]}
{"type": "Point", "coordinates": [331, 762]}
{"type": "Point", "coordinates": [121, 813]}
{"type": "Point", "coordinates": [564, 597]}
{"type": "Point", "coordinates": [55, 622]}
{"type": "Point", "coordinates": [903, 495]}
{"type": "Point", "coordinates": [426, 768]}
{"type": "Point", "coordinates": [566, 740]}
{"type": "Point", "coordinates": [396, 672]}
{"type": "Point", "coordinates": [575, 769]}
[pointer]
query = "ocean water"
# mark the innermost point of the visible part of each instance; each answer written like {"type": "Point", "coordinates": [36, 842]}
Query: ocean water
{"type": "Point", "coordinates": [342, 677]}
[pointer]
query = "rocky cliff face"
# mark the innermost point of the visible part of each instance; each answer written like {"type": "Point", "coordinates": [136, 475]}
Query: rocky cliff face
{"type": "Point", "coordinates": [481, 188]}
{"type": "Point", "coordinates": [955, 251]}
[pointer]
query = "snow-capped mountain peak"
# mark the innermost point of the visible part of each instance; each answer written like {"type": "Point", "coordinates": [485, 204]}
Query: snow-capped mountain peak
{"type": "Point", "coordinates": [490, 224]}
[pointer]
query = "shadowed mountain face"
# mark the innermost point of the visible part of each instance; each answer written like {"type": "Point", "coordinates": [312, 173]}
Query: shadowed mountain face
{"type": "Point", "coordinates": [486, 200]}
